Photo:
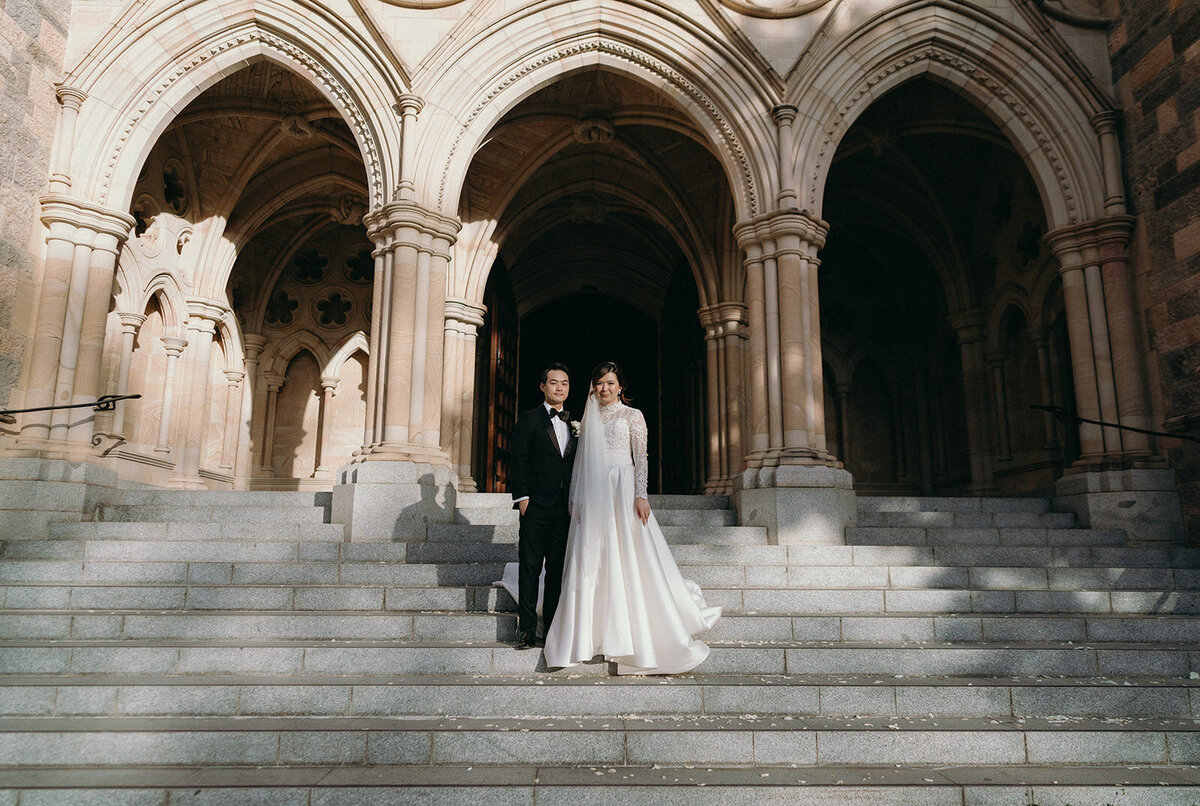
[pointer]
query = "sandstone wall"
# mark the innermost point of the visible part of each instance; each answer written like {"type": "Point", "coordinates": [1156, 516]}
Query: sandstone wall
{"type": "Point", "coordinates": [1155, 50]}
{"type": "Point", "coordinates": [33, 37]}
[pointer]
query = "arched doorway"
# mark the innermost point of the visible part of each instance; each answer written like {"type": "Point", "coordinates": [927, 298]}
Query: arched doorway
{"type": "Point", "coordinates": [249, 208]}
{"type": "Point", "coordinates": [935, 239]}
{"type": "Point", "coordinates": [601, 218]}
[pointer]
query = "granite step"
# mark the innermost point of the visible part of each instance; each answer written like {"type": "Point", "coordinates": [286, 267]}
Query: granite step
{"type": "Point", "coordinates": [457, 626]}
{"type": "Point", "coordinates": [504, 500]}
{"type": "Point", "coordinates": [249, 550]}
{"type": "Point", "coordinates": [196, 530]}
{"type": "Point", "coordinates": [507, 516]}
{"type": "Point", "coordinates": [465, 566]}
{"type": "Point", "coordinates": [766, 743]}
{"type": "Point", "coordinates": [216, 513]}
{"type": "Point", "coordinates": [489, 598]}
{"type": "Point", "coordinates": [973, 519]}
{"type": "Point", "coordinates": [518, 784]}
{"type": "Point", "coordinates": [902, 503]}
{"type": "Point", "coordinates": [675, 535]}
{"type": "Point", "coordinates": [1007, 536]}
{"type": "Point", "coordinates": [400, 657]}
{"type": "Point", "coordinates": [500, 696]}
{"type": "Point", "coordinates": [226, 498]}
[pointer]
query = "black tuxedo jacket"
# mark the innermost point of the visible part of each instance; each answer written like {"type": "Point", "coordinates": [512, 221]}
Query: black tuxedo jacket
{"type": "Point", "coordinates": [539, 471]}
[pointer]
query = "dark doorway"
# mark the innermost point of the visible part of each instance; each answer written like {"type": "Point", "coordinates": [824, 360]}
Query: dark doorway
{"type": "Point", "coordinates": [581, 330]}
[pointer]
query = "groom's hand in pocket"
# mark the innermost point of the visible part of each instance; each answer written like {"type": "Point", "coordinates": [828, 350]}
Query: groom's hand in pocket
{"type": "Point", "coordinates": [522, 506]}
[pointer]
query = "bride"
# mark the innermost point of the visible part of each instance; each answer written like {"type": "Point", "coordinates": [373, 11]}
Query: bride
{"type": "Point", "coordinates": [622, 594]}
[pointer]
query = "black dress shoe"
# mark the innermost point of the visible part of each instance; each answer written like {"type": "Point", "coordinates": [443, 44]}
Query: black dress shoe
{"type": "Point", "coordinates": [524, 641]}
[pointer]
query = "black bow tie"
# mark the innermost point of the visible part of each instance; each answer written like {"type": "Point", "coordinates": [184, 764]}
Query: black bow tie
{"type": "Point", "coordinates": [562, 414]}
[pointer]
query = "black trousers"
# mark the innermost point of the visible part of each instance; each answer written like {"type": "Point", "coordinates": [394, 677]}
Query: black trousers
{"type": "Point", "coordinates": [542, 538]}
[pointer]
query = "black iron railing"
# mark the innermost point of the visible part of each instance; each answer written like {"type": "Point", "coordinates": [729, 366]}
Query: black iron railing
{"type": "Point", "coordinates": [102, 403]}
{"type": "Point", "coordinates": [1064, 416]}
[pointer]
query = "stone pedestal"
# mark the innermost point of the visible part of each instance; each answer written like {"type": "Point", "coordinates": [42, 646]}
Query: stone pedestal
{"type": "Point", "coordinates": [384, 500]}
{"type": "Point", "coordinates": [1145, 503]}
{"type": "Point", "coordinates": [807, 504]}
{"type": "Point", "coordinates": [35, 492]}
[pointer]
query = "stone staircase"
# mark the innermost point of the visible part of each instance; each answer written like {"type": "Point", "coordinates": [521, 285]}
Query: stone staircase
{"type": "Point", "coordinates": [195, 645]}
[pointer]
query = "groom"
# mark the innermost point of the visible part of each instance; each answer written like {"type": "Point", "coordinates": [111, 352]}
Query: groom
{"type": "Point", "coordinates": [543, 449]}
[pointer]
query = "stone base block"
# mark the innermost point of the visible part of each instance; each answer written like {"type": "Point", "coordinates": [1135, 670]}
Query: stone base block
{"type": "Point", "coordinates": [35, 492]}
{"type": "Point", "coordinates": [385, 500]}
{"type": "Point", "coordinates": [1145, 503]}
{"type": "Point", "coordinates": [809, 504]}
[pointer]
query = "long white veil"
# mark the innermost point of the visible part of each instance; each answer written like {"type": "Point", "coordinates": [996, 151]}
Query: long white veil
{"type": "Point", "coordinates": [589, 492]}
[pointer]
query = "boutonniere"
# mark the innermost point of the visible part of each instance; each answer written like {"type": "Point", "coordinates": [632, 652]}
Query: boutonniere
{"type": "Point", "coordinates": [574, 428]}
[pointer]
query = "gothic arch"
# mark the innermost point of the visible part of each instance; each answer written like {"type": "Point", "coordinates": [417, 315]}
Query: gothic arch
{"type": "Point", "coordinates": [284, 351]}
{"type": "Point", "coordinates": [170, 301]}
{"type": "Point", "coordinates": [1032, 97]}
{"type": "Point", "coordinates": [724, 97]}
{"type": "Point", "coordinates": [1009, 298]}
{"type": "Point", "coordinates": [354, 343]}
{"type": "Point", "coordinates": [130, 117]}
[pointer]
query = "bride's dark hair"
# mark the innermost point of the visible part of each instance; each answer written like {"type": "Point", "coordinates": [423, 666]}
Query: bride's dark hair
{"type": "Point", "coordinates": [605, 367]}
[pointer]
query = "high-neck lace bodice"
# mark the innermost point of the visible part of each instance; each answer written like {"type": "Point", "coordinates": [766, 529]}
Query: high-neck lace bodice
{"type": "Point", "coordinates": [625, 440]}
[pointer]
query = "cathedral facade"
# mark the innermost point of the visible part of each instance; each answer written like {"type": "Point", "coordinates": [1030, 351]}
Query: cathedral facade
{"type": "Point", "coordinates": [914, 247]}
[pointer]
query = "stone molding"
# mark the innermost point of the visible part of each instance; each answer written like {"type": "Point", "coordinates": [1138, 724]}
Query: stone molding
{"type": "Point", "coordinates": [185, 64]}
{"type": "Point", "coordinates": [404, 222]}
{"type": "Point", "coordinates": [85, 215]}
{"type": "Point", "coordinates": [464, 312]}
{"type": "Point", "coordinates": [771, 228]}
{"type": "Point", "coordinates": [1078, 245]}
{"type": "Point", "coordinates": [774, 9]}
{"type": "Point", "coordinates": [997, 87]}
{"type": "Point", "coordinates": [635, 57]}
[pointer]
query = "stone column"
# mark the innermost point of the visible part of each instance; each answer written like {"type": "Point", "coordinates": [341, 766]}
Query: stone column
{"type": "Point", "coordinates": [409, 106]}
{"type": "Point", "coordinates": [130, 324]}
{"type": "Point", "coordinates": [733, 329]}
{"type": "Point", "coordinates": [70, 100]}
{"type": "Point", "coordinates": [174, 346]}
{"type": "Point", "coordinates": [1105, 124]}
{"type": "Point", "coordinates": [843, 393]}
{"type": "Point", "coordinates": [233, 407]}
{"type": "Point", "coordinates": [995, 362]}
{"type": "Point", "coordinates": [406, 479]}
{"type": "Point", "coordinates": [324, 421]}
{"type": "Point", "coordinates": [1116, 482]}
{"type": "Point", "coordinates": [380, 292]}
{"type": "Point", "coordinates": [75, 228]}
{"type": "Point", "coordinates": [756, 370]}
{"type": "Point", "coordinates": [968, 327]}
{"type": "Point", "coordinates": [255, 394]}
{"type": "Point", "coordinates": [1041, 341]}
{"type": "Point", "coordinates": [1128, 367]}
{"type": "Point", "coordinates": [714, 404]}
{"type": "Point", "coordinates": [463, 320]}
{"type": "Point", "coordinates": [274, 383]}
{"type": "Point", "coordinates": [792, 485]}
{"type": "Point", "coordinates": [97, 301]}
{"type": "Point", "coordinates": [203, 318]}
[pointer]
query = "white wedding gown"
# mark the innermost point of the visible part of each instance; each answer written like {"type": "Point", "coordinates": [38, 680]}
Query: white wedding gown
{"type": "Point", "coordinates": [622, 594]}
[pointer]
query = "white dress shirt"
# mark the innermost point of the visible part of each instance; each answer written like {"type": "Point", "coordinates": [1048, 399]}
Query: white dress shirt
{"type": "Point", "coordinates": [560, 428]}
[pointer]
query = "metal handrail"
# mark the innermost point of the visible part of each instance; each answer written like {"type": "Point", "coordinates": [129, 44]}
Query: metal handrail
{"type": "Point", "coordinates": [1064, 416]}
{"type": "Point", "coordinates": [102, 403]}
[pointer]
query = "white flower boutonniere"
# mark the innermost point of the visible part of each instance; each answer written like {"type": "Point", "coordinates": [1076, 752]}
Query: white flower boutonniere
{"type": "Point", "coordinates": [574, 428]}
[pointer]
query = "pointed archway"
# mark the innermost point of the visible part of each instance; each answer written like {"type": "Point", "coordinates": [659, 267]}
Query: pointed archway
{"type": "Point", "coordinates": [597, 203]}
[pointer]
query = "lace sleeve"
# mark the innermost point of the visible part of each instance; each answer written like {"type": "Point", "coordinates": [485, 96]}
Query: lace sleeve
{"type": "Point", "coordinates": [638, 437]}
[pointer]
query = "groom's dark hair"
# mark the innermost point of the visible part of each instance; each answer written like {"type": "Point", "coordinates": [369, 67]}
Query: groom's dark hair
{"type": "Point", "coordinates": [555, 367]}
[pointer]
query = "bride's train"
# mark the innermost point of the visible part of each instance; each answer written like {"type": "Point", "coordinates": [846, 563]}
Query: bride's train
{"type": "Point", "coordinates": [624, 597]}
